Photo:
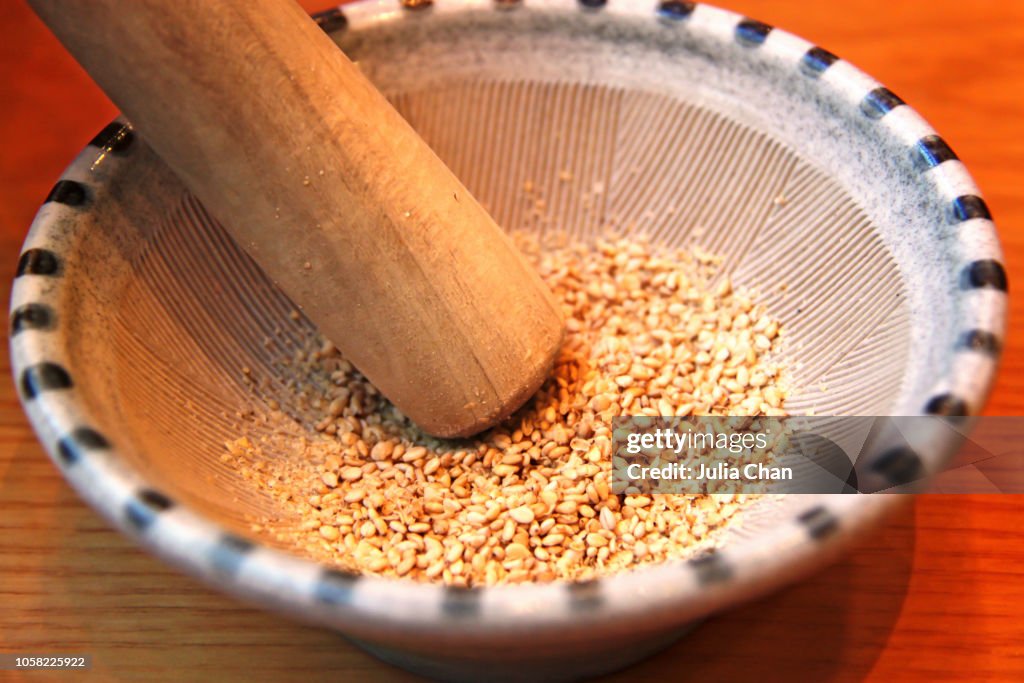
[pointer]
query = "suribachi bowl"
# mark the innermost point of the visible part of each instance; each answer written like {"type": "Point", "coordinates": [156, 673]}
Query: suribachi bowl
{"type": "Point", "coordinates": [132, 312]}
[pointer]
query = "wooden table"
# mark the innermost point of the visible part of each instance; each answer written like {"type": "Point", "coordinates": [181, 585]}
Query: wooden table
{"type": "Point", "coordinates": [937, 594]}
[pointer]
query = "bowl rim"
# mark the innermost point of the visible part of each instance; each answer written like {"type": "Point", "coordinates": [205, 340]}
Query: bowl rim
{"type": "Point", "coordinates": [371, 606]}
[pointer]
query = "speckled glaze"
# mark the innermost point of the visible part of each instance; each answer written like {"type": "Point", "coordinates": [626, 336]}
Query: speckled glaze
{"type": "Point", "coordinates": [904, 185]}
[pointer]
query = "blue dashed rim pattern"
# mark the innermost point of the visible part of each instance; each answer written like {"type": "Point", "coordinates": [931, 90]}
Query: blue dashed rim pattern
{"type": "Point", "coordinates": [365, 605]}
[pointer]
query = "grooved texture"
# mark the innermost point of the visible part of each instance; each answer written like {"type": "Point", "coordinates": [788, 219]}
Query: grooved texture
{"type": "Point", "coordinates": [645, 163]}
{"type": "Point", "coordinates": [540, 156]}
{"type": "Point", "coordinates": [198, 314]}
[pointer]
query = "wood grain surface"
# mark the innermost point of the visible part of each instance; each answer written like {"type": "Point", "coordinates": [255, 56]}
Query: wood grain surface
{"type": "Point", "coordinates": [936, 594]}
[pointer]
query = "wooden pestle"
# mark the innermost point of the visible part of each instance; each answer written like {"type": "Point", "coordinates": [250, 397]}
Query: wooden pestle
{"type": "Point", "coordinates": [325, 185]}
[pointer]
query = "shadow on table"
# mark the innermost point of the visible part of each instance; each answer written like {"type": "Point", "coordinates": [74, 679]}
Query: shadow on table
{"type": "Point", "coordinates": [831, 627]}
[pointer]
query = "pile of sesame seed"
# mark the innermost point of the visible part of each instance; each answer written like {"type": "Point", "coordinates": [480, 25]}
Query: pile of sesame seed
{"type": "Point", "coordinates": [531, 500]}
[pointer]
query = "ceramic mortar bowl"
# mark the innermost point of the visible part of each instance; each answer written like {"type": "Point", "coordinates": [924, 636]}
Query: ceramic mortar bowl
{"type": "Point", "coordinates": [133, 312]}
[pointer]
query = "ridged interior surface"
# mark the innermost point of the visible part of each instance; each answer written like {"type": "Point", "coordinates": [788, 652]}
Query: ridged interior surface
{"type": "Point", "coordinates": [584, 159]}
{"type": "Point", "coordinates": [194, 335]}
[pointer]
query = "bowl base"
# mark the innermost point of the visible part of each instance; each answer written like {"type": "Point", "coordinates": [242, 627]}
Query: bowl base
{"type": "Point", "coordinates": [519, 666]}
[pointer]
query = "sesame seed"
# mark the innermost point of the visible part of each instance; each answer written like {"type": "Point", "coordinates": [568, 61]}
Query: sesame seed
{"type": "Point", "coordinates": [522, 514]}
{"type": "Point", "coordinates": [647, 333]}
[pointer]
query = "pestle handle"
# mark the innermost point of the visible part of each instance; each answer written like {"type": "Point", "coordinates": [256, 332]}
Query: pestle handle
{"type": "Point", "coordinates": [332, 193]}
